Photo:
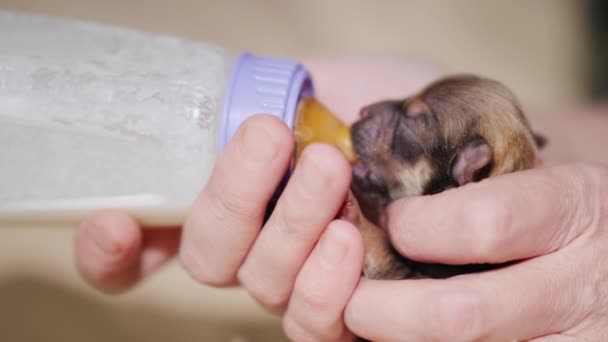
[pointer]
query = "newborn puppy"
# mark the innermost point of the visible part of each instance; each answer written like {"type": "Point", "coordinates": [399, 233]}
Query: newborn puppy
{"type": "Point", "coordinates": [457, 130]}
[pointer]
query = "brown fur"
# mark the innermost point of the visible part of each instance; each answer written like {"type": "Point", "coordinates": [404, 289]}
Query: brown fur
{"type": "Point", "coordinates": [488, 108]}
{"type": "Point", "coordinates": [457, 129]}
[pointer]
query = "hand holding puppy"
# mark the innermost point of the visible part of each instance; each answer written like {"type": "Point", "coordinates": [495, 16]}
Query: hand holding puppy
{"type": "Point", "coordinates": [553, 220]}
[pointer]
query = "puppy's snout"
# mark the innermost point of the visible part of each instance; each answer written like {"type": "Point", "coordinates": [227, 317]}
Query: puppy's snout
{"type": "Point", "coordinates": [373, 133]}
{"type": "Point", "coordinates": [375, 122]}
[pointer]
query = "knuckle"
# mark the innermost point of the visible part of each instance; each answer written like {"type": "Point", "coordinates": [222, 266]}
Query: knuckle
{"type": "Point", "coordinates": [597, 177]}
{"type": "Point", "coordinates": [592, 175]}
{"type": "Point", "coordinates": [233, 206]}
{"type": "Point", "coordinates": [584, 205]}
{"type": "Point", "coordinates": [292, 221]}
{"type": "Point", "coordinates": [459, 315]}
{"type": "Point", "coordinates": [489, 219]}
{"type": "Point", "coordinates": [203, 272]}
{"type": "Point", "coordinates": [272, 298]}
{"type": "Point", "coordinates": [313, 301]}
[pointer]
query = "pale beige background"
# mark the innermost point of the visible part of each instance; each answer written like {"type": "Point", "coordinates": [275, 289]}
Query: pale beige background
{"type": "Point", "coordinates": [536, 47]}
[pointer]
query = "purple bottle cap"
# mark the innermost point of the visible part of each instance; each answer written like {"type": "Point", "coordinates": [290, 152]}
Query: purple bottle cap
{"type": "Point", "coordinates": [262, 85]}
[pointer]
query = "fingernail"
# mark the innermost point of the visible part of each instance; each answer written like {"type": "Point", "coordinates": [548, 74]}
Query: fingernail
{"type": "Point", "coordinates": [333, 246]}
{"type": "Point", "coordinates": [313, 179]}
{"type": "Point", "coordinates": [104, 239]}
{"type": "Point", "coordinates": [257, 144]}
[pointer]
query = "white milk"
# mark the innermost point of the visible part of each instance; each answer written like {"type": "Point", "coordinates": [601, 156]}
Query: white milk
{"type": "Point", "coordinates": [94, 116]}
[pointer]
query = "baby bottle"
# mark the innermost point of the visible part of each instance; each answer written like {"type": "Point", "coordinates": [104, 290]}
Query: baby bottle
{"type": "Point", "coordinates": [95, 116]}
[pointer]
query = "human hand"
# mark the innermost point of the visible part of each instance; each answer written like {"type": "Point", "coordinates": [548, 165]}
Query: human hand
{"type": "Point", "coordinates": [554, 218]}
{"type": "Point", "coordinates": [217, 240]}
{"type": "Point", "coordinates": [220, 239]}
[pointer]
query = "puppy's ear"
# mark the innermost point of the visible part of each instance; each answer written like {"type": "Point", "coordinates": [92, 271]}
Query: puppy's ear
{"type": "Point", "coordinates": [470, 162]}
{"type": "Point", "coordinates": [415, 107]}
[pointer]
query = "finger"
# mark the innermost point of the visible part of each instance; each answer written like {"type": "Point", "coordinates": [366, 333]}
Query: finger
{"type": "Point", "coordinates": [527, 300]}
{"type": "Point", "coordinates": [324, 286]}
{"type": "Point", "coordinates": [512, 217]}
{"type": "Point", "coordinates": [228, 214]}
{"type": "Point", "coordinates": [108, 245]}
{"type": "Point", "coordinates": [309, 203]}
{"type": "Point", "coordinates": [113, 255]}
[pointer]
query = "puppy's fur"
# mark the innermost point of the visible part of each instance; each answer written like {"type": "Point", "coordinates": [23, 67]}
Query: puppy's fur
{"type": "Point", "coordinates": [457, 130]}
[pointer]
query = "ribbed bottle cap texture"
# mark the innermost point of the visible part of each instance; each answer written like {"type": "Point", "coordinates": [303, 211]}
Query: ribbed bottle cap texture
{"type": "Point", "coordinates": [262, 85]}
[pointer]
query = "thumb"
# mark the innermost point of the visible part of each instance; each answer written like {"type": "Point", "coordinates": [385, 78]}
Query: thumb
{"type": "Point", "coordinates": [511, 217]}
{"type": "Point", "coordinates": [112, 252]}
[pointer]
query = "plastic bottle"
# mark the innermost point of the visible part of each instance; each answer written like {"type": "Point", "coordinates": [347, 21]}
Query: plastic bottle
{"type": "Point", "coordinates": [95, 116]}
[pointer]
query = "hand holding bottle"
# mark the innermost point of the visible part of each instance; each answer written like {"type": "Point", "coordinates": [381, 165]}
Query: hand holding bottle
{"type": "Point", "coordinates": [113, 253]}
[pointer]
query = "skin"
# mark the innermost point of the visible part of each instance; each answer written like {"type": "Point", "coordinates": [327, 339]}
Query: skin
{"type": "Point", "coordinates": [554, 216]}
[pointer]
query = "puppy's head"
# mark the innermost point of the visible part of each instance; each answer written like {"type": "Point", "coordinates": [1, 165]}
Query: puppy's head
{"type": "Point", "coordinates": [457, 130]}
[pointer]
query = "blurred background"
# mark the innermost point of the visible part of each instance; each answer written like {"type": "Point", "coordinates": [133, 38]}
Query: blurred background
{"type": "Point", "coordinates": [553, 53]}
